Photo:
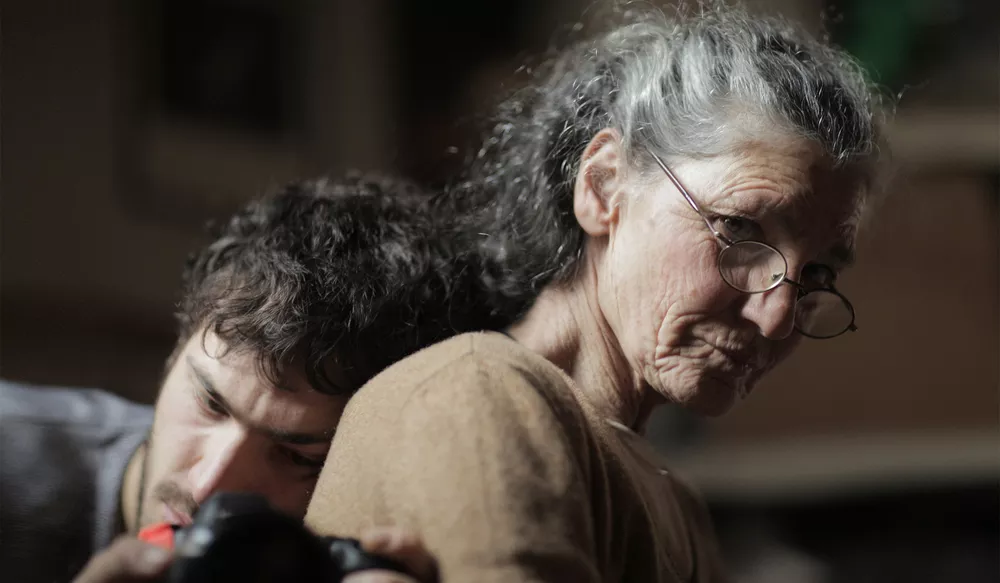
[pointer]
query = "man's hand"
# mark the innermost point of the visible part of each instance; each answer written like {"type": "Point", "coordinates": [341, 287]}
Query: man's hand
{"type": "Point", "coordinates": [399, 545]}
{"type": "Point", "coordinates": [127, 560]}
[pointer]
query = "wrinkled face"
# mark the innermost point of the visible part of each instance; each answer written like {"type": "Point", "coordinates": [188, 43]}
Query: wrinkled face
{"type": "Point", "coordinates": [221, 426]}
{"type": "Point", "coordinates": [689, 335]}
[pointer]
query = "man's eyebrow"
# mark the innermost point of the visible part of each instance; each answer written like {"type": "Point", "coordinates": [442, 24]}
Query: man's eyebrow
{"type": "Point", "coordinates": [289, 437]}
{"type": "Point", "coordinates": [207, 384]}
{"type": "Point", "coordinates": [294, 438]}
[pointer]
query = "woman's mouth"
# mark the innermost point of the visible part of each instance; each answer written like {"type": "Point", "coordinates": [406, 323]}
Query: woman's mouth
{"type": "Point", "coordinates": [742, 361]}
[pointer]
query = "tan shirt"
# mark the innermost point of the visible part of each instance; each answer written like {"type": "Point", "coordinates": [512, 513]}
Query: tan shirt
{"type": "Point", "coordinates": [479, 445]}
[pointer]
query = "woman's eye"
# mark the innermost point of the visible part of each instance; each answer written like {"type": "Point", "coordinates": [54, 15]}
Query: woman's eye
{"type": "Point", "coordinates": [817, 275]}
{"type": "Point", "coordinates": [740, 228]}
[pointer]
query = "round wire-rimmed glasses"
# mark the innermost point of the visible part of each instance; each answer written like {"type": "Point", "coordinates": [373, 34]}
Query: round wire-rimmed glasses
{"type": "Point", "coordinates": [755, 267]}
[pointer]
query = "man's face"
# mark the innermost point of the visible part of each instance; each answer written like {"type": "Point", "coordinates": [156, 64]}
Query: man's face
{"type": "Point", "coordinates": [220, 425]}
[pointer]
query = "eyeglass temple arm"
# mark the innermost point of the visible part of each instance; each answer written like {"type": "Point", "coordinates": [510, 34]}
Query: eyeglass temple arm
{"type": "Point", "coordinates": [687, 197]}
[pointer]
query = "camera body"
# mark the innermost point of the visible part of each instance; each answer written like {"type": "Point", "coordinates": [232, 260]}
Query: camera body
{"type": "Point", "coordinates": [239, 537]}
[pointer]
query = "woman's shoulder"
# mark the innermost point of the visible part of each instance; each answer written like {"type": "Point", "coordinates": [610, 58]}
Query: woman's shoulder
{"type": "Point", "coordinates": [483, 371]}
{"type": "Point", "coordinates": [473, 354]}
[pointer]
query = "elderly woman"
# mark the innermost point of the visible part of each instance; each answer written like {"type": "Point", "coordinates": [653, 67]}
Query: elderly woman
{"type": "Point", "coordinates": [680, 196]}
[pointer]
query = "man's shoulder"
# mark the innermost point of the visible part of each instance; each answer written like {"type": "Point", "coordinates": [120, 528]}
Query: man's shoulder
{"type": "Point", "coordinates": [58, 435]}
{"type": "Point", "coordinates": [69, 407]}
{"type": "Point", "coordinates": [64, 455]}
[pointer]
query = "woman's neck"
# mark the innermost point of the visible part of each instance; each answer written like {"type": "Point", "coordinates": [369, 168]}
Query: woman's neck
{"type": "Point", "coordinates": [567, 327]}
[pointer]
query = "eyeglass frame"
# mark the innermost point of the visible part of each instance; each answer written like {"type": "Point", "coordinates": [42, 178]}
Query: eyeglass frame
{"type": "Point", "coordinates": [801, 289]}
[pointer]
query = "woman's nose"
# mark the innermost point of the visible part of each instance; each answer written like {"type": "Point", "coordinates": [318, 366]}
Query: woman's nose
{"type": "Point", "coordinates": [773, 311]}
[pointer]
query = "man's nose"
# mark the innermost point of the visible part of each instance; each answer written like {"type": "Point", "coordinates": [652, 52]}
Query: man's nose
{"type": "Point", "coordinates": [223, 463]}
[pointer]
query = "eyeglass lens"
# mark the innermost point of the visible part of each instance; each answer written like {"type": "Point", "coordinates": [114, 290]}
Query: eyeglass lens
{"type": "Point", "coordinates": [754, 267]}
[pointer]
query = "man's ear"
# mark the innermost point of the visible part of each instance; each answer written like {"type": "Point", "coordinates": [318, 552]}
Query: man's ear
{"type": "Point", "coordinates": [598, 183]}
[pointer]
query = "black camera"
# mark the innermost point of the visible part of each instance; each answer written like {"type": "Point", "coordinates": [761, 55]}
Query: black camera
{"type": "Point", "coordinates": [239, 537]}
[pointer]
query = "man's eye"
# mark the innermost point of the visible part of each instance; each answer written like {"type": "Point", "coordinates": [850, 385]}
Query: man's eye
{"type": "Point", "coordinates": [211, 406]}
{"type": "Point", "coordinates": [302, 460]}
{"type": "Point", "coordinates": [740, 228]}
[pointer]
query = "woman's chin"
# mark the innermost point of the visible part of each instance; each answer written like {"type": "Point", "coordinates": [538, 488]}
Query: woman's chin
{"type": "Point", "coordinates": [713, 396]}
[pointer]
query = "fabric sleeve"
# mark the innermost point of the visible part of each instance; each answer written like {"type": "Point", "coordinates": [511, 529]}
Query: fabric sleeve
{"type": "Point", "coordinates": [709, 565]}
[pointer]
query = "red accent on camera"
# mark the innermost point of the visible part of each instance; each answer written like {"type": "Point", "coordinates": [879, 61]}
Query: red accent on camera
{"type": "Point", "coordinates": [161, 535]}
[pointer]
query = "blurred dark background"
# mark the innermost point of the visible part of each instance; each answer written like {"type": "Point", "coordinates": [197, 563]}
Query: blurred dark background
{"type": "Point", "coordinates": [126, 125]}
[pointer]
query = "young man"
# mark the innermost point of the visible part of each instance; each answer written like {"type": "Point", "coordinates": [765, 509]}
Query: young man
{"type": "Point", "coordinates": [300, 299]}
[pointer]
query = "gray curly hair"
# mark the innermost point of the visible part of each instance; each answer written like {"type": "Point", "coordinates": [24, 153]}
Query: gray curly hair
{"type": "Point", "coordinates": [688, 85]}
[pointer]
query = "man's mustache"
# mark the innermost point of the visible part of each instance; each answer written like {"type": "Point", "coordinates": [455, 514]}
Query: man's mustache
{"type": "Point", "coordinates": [176, 497]}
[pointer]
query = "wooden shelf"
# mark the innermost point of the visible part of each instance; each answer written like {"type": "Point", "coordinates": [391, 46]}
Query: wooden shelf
{"type": "Point", "coordinates": [814, 468]}
{"type": "Point", "coordinates": [943, 137]}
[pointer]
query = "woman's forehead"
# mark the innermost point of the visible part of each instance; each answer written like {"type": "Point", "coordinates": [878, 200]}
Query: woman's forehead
{"type": "Point", "coordinates": [794, 186]}
{"type": "Point", "coordinates": [796, 178]}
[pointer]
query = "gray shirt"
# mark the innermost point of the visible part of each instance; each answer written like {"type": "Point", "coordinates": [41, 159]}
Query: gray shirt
{"type": "Point", "coordinates": [63, 454]}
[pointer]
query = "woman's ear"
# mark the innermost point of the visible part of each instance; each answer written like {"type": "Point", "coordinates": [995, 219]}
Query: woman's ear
{"type": "Point", "coordinates": [599, 182]}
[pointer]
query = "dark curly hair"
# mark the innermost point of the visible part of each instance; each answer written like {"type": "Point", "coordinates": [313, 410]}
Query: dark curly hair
{"type": "Point", "coordinates": [691, 84]}
{"type": "Point", "coordinates": [351, 271]}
